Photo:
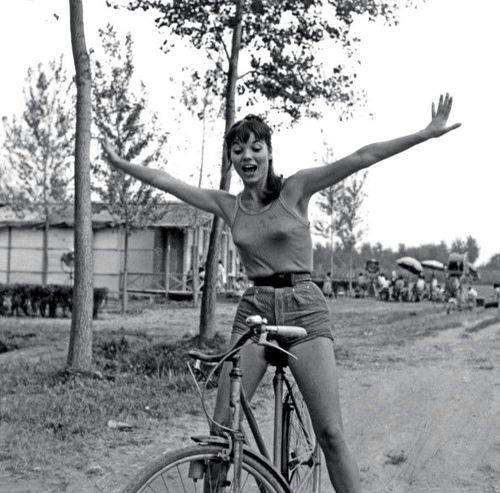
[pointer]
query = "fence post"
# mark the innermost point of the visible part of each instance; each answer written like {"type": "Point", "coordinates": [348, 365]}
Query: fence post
{"type": "Point", "coordinates": [167, 264]}
{"type": "Point", "coordinates": [9, 251]}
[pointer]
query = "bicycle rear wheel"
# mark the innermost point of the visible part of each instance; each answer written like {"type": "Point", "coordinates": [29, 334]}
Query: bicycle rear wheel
{"type": "Point", "coordinates": [201, 468]}
{"type": "Point", "coordinates": [301, 455]}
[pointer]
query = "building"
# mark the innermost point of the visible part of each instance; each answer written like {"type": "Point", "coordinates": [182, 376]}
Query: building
{"type": "Point", "coordinates": [159, 259]}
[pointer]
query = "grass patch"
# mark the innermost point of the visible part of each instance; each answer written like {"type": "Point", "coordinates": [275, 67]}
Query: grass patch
{"type": "Point", "coordinates": [45, 408]}
{"type": "Point", "coordinates": [52, 419]}
{"type": "Point", "coordinates": [123, 354]}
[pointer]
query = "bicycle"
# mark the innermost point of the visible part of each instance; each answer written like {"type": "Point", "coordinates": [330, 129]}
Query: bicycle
{"type": "Point", "coordinates": [219, 464]}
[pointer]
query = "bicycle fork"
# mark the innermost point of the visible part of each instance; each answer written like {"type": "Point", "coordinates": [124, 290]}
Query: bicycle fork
{"type": "Point", "coordinates": [235, 419]}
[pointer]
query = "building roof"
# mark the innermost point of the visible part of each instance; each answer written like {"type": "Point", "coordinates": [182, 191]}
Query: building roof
{"type": "Point", "coordinates": [176, 215]}
{"type": "Point", "coordinates": [181, 215]}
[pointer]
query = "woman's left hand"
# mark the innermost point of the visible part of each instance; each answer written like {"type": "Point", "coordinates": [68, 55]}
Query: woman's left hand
{"type": "Point", "coordinates": [437, 126]}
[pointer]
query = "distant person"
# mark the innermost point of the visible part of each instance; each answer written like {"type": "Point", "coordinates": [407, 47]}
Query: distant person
{"type": "Point", "coordinates": [420, 288]}
{"type": "Point", "coordinates": [362, 286]}
{"type": "Point", "coordinates": [221, 277]}
{"type": "Point", "coordinates": [496, 290]}
{"type": "Point", "coordinates": [241, 282]}
{"type": "Point", "coordinates": [327, 285]}
{"type": "Point", "coordinates": [434, 288]}
{"type": "Point", "coordinates": [383, 287]}
{"type": "Point", "coordinates": [201, 276]}
{"type": "Point", "coordinates": [399, 287]}
{"type": "Point", "coordinates": [471, 298]}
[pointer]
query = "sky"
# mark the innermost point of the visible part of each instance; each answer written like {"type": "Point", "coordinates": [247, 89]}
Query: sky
{"type": "Point", "coordinates": [443, 189]}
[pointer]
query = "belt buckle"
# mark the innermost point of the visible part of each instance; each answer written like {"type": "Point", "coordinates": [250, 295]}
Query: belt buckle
{"type": "Point", "coordinates": [284, 279]}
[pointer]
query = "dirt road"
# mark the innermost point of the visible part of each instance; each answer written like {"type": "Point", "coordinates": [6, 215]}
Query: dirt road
{"type": "Point", "coordinates": [421, 417]}
{"type": "Point", "coordinates": [429, 423]}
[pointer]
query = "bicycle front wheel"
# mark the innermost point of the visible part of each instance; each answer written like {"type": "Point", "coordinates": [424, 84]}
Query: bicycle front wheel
{"type": "Point", "coordinates": [301, 455]}
{"type": "Point", "coordinates": [203, 469]}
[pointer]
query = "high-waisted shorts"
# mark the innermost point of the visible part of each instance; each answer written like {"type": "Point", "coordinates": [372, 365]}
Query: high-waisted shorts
{"type": "Point", "coordinates": [302, 305]}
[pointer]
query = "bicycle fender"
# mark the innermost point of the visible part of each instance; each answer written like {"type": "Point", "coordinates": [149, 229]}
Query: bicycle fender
{"type": "Point", "coordinates": [221, 441]}
{"type": "Point", "coordinates": [209, 440]}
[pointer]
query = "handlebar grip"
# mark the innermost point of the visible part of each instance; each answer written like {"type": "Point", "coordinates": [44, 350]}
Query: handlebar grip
{"type": "Point", "coordinates": [286, 331]}
{"type": "Point", "coordinates": [255, 320]}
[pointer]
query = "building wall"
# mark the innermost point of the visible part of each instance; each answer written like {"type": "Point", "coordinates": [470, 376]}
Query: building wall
{"type": "Point", "coordinates": [4, 245]}
{"type": "Point", "coordinates": [146, 261]}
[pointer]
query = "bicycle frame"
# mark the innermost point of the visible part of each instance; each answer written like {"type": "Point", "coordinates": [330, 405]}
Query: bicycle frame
{"type": "Point", "coordinates": [239, 402]}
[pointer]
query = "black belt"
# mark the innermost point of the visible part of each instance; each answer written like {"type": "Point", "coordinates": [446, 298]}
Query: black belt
{"type": "Point", "coordinates": [282, 279]}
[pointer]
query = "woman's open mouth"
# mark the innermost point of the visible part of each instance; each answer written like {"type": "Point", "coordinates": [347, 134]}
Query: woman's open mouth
{"type": "Point", "coordinates": [249, 169]}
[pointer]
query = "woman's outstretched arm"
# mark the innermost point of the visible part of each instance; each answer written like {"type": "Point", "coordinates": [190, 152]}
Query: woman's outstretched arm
{"type": "Point", "coordinates": [311, 180]}
{"type": "Point", "coordinates": [217, 202]}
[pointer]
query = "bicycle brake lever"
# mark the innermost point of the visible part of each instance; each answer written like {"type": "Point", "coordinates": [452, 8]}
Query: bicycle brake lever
{"type": "Point", "coordinates": [276, 346]}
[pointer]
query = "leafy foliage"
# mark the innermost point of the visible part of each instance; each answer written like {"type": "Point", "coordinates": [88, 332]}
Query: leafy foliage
{"type": "Point", "coordinates": [280, 41]}
{"type": "Point", "coordinates": [494, 261]}
{"type": "Point", "coordinates": [385, 255]}
{"type": "Point", "coordinates": [469, 246]}
{"type": "Point", "coordinates": [120, 118]}
{"type": "Point", "coordinates": [39, 145]}
{"type": "Point", "coordinates": [348, 204]}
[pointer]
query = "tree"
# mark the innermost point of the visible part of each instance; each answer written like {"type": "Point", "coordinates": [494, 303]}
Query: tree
{"type": "Point", "coordinates": [39, 148]}
{"type": "Point", "coordinates": [200, 101]}
{"type": "Point", "coordinates": [493, 262]}
{"type": "Point", "coordinates": [470, 246]}
{"type": "Point", "coordinates": [120, 118]}
{"type": "Point", "coordinates": [80, 341]}
{"type": "Point", "coordinates": [280, 41]}
{"type": "Point", "coordinates": [348, 219]}
{"type": "Point", "coordinates": [458, 246]}
{"type": "Point", "coordinates": [326, 202]}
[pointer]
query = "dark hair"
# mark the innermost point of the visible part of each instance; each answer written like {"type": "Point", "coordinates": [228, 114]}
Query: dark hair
{"type": "Point", "coordinates": [240, 132]}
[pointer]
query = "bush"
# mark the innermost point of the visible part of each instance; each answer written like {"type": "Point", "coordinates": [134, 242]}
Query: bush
{"type": "Point", "coordinates": [121, 355]}
{"type": "Point", "coordinates": [37, 300]}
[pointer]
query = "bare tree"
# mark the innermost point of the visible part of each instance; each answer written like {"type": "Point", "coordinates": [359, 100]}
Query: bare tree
{"type": "Point", "coordinates": [80, 342]}
{"type": "Point", "coordinates": [326, 202]}
{"type": "Point", "coordinates": [39, 147]}
{"type": "Point", "coordinates": [347, 222]}
{"type": "Point", "coordinates": [119, 114]}
{"type": "Point", "coordinates": [198, 97]}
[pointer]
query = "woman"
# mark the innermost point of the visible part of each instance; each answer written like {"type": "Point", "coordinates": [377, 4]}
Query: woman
{"type": "Point", "coordinates": [327, 285]}
{"type": "Point", "coordinates": [270, 227]}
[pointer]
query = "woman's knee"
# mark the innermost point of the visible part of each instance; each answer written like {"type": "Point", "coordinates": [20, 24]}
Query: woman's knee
{"type": "Point", "coordinates": [331, 437]}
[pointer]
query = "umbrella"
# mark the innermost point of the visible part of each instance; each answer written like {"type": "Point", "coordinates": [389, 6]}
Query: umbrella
{"type": "Point", "coordinates": [410, 264]}
{"type": "Point", "coordinates": [432, 264]}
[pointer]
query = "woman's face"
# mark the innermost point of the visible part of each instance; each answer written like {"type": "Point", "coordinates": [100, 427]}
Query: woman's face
{"type": "Point", "coordinates": [251, 160]}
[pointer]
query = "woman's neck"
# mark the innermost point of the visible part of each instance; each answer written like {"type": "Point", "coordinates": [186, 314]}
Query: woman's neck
{"type": "Point", "coordinates": [253, 195]}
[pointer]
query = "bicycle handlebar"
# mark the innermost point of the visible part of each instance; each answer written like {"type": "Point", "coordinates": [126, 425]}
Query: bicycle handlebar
{"type": "Point", "coordinates": [258, 325]}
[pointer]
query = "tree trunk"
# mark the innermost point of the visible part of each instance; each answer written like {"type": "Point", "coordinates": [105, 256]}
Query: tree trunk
{"type": "Point", "coordinates": [331, 247]}
{"type": "Point", "coordinates": [350, 270]}
{"type": "Point", "coordinates": [195, 264]}
{"type": "Point", "coordinates": [208, 300]}
{"type": "Point", "coordinates": [196, 240]}
{"type": "Point", "coordinates": [80, 341]}
{"type": "Point", "coordinates": [45, 249]}
{"type": "Point", "coordinates": [125, 273]}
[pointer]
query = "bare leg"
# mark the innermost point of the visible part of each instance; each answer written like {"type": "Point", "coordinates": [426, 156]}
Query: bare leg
{"type": "Point", "coordinates": [253, 365]}
{"type": "Point", "coordinates": [316, 375]}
